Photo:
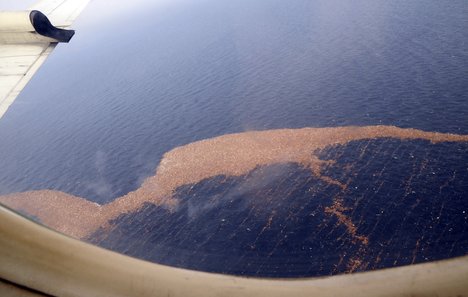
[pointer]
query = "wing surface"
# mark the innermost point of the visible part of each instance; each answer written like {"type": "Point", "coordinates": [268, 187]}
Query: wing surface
{"type": "Point", "coordinates": [24, 45]}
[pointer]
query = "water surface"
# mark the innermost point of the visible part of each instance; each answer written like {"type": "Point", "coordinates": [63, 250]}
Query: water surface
{"type": "Point", "coordinates": [139, 80]}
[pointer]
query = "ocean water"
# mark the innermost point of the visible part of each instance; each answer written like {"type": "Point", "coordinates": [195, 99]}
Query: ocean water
{"type": "Point", "coordinates": [139, 80]}
{"type": "Point", "coordinates": [103, 109]}
{"type": "Point", "coordinates": [401, 206]}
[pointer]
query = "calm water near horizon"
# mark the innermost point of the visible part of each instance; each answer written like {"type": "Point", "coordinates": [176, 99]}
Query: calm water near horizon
{"type": "Point", "coordinates": [139, 81]}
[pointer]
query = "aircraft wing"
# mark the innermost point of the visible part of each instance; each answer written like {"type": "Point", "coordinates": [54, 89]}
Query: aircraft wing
{"type": "Point", "coordinates": [61, 13]}
{"type": "Point", "coordinates": [27, 38]}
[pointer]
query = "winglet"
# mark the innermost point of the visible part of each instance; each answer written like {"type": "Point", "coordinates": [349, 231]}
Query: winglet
{"type": "Point", "coordinates": [43, 27]}
{"type": "Point", "coordinates": [24, 27]}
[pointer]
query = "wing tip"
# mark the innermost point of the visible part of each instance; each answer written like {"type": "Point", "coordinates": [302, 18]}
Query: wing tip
{"type": "Point", "coordinates": [44, 27]}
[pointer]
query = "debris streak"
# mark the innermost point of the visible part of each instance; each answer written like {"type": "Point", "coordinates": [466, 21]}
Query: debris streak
{"type": "Point", "coordinates": [229, 155]}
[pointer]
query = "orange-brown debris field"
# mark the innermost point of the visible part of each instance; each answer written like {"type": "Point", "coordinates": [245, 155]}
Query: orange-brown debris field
{"type": "Point", "coordinates": [231, 155]}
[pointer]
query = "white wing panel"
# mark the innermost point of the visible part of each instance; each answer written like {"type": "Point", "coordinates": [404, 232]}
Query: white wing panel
{"type": "Point", "coordinates": [23, 50]}
{"type": "Point", "coordinates": [18, 63]}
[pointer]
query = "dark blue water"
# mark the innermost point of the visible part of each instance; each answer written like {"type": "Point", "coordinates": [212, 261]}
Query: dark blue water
{"type": "Point", "coordinates": [406, 200]}
{"type": "Point", "coordinates": [140, 80]}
